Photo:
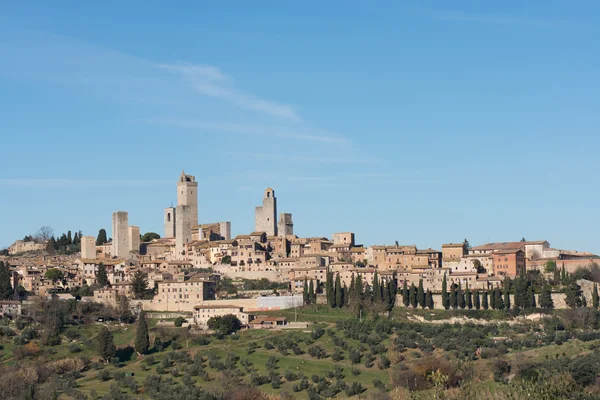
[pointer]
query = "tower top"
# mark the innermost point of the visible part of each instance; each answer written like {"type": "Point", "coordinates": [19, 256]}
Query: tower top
{"type": "Point", "coordinates": [186, 178]}
{"type": "Point", "coordinates": [269, 192]}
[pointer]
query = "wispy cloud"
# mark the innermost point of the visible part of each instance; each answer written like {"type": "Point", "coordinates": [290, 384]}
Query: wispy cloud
{"type": "Point", "coordinates": [314, 135]}
{"type": "Point", "coordinates": [65, 183]}
{"type": "Point", "coordinates": [210, 81]}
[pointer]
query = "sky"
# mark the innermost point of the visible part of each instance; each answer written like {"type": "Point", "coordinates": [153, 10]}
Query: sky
{"type": "Point", "coordinates": [419, 122]}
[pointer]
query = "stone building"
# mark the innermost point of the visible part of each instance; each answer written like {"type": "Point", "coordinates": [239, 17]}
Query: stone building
{"type": "Point", "coordinates": [212, 231]}
{"type": "Point", "coordinates": [88, 247]}
{"type": "Point", "coordinates": [510, 262]}
{"type": "Point", "coordinates": [169, 221]}
{"type": "Point", "coordinates": [265, 216]}
{"type": "Point", "coordinates": [453, 252]}
{"type": "Point", "coordinates": [21, 246]}
{"type": "Point", "coordinates": [202, 313]}
{"type": "Point", "coordinates": [285, 226]}
{"type": "Point", "coordinates": [134, 239]}
{"type": "Point", "coordinates": [120, 234]}
{"type": "Point", "coordinates": [185, 290]}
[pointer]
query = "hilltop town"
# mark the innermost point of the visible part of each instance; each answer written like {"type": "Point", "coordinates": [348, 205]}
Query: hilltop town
{"type": "Point", "coordinates": [195, 267]}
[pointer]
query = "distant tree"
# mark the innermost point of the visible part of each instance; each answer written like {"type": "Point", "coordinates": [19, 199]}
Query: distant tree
{"type": "Point", "coordinates": [573, 295]}
{"type": "Point", "coordinates": [226, 324]}
{"type": "Point", "coordinates": [498, 299]}
{"type": "Point", "coordinates": [583, 301]}
{"type": "Point", "coordinates": [55, 275]}
{"type": "Point", "coordinates": [429, 299]}
{"type": "Point", "coordinates": [149, 236]}
{"type": "Point", "coordinates": [523, 239]}
{"type": "Point", "coordinates": [305, 299]}
{"type": "Point", "coordinates": [556, 276]}
{"type": "Point", "coordinates": [484, 300]}
{"type": "Point", "coordinates": [476, 300]}
{"type": "Point", "coordinates": [139, 284]}
{"type": "Point", "coordinates": [123, 310]}
{"type": "Point", "coordinates": [101, 276]}
{"type": "Point", "coordinates": [414, 300]}
{"type": "Point", "coordinates": [339, 300]}
{"type": "Point", "coordinates": [546, 297]}
{"type": "Point", "coordinates": [468, 297]}
{"type": "Point", "coordinates": [101, 239]}
{"type": "Point", "coordinates": [142, 339]}
{"type": "Point", "coordinates": [330, 288]}
{"type": "Point", "coordinates": [69, 238]}
{"type": "Point", "coordinates": [595, 296]}
{"type": "Point", "coordinates": [405, 294]}
{"type": "Point", "coordinates": [421, 294]}
{"type": "Point", "coordinates": [453, 297]}
{"type": "Point", "coordinates": [106, 345]}
{"type": "Point", "coordinates": [493, 299]}
{"type": "Point", "coordinates": [312, 297]}
{"type": "Point", "coordinates": [44, 233]}
{"type": "Point", "coordinates": [531, 295]}
{"type": "Point", "coordinates": [550, 266]}
{"type": "Point", "coordinates": [226, 260]}
{"type": "Point", "coordinates": [460, 297]}
{"type": "Point", "coordinates": [507, 292]}
{"type": "Point", "coordinates": [466, 245]}
{"type": "Point", "coordinates": [376, 288]}
{"type": "Point", "coordinates": [445, 300]}
{"type": "Point", "coordinates": [6, 289]}
{"type": "Point", "coordinates": [563, 275]}
{"type": "Point", "coordinates": [358, 288]}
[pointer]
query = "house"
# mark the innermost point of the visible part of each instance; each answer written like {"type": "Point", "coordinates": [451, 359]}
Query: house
{"type": "Point", "coordinates": [267, 322]}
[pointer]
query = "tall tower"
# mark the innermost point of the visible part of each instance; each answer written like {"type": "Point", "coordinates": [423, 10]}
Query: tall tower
{"type": "Point", "coordinates": [265, 217]}
{"type": "Point", "coordinates": [88, 247]}
{"type": "Point", "coordinates": [186, 212]}
{"type": "Point", "coordinates": [285, 226]}
{"type": "Point", "coordinates": [187, 195]}
{"type": "Point", "coordinates": [170, 218]}
{"type": "Point", "coordinates": [120, 234]}
{"type": "Point", "coordinates": [134, 238]}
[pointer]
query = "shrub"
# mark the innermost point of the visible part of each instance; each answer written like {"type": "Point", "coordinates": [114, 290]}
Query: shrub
{"type": "Point", "coordinates": [317, 352]}
{"type": "Point", "coordinates": [355, 371]}
{"type": "Point", "coordinates": [317, 333]}
{"type": "Point", "coordinates": [179, 321]}
{"type": "Point", "coordinates": [103, 375]}
{"type": "Point", "coordinates": [384, 362]}
{"type": "Point", "coordinates": [378, 384]}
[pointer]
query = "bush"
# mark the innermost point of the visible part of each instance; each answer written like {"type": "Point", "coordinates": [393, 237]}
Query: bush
{"type": "Point", "coordinates": [179, 321]}
{"type": "Point", "coordinates": [354, 389]}
{"type": "Point", "coordinates": [355, 371]}
{"type": "Point", "coordinates": [74, 348]}
{"type": "Point", "coordinates": [317, 333]}
{"type": "Point", "coordinates": [317, 352]}
{"type": "Point", "coordinates": [103, 375]}
{"type": "Point", "coordinates": [409, 379]}
{"type": "Point", "coordinates": [384, 362]}
{"type": "Point", "coordinates": [378, 384]}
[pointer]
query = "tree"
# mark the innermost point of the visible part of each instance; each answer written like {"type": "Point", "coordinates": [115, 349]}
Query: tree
{"type": "Point", "coordinates": [573, 295]}
{"type": "Point", "coordinates": [507, 292]}
{"type": "Point", "coordinates": [531, 296]}
{"type": "Point", "coordinates": [55, 275]}
{"type": "Point", "coordinates": [312, 298]}
{"type": "Point", "coordinates": [484, 300]}
{"type": "Point", "coordinates": [225, 325]}
{"type": "Point", "coordinates": [101, 276]}
{"type": "Point", "coordinates": [69, 238]}
{"type": "Point", "coordinates": [499, 302]}
{"type": "Point", "coordinates": [595, 296]}
{"type": "Point", "coordinates": [44, 233]}
{"type": "Point", "coordinates": [142, 339]}
{"type": "Point", "coordinates": [476, 300]}
{"type": "Point", "coordinates": [106, 345]}
{"type": "Point", "coordinates": [421, 294]}
{"type": "Point", "coordinates": [305, 292]}
{"type": "Point", "coordinates": [358, 289]}
{"type": "Point", "coordinates": [453, 298]}
{"type": "Point", "coordinates": [405, 294]}
{"type": "Point", "coordinates": [445, 302]}
{"type": "Point", "coordinates": [149, 236]}
{"type": "Point", "coordinates": [376, 288]}
{"type": "Point", "coordinates": [339, 300]}
{"type": "Point", "coordinates": [429, 299]}
{"type": "Point", "coordinates": [101, 239]}
{"type": "Point", "coordinates": [6, 289]}
{"type": "Point", "coordinates": [123, 309]}
{"type": "Point", "coordinates": [466, 245]}
{"type": "Point", "coordinates": [413, 296]}
{"type": "Point", "coordinates": [226, 260]}
{"type": "Point", "coordinates": [139, 284]}
{"type": "Point", "coordinates": [468, 298]}
{"type": "Point", "coordinates": [546, 297]}
{"type": "Point", "coordinates": [460, 297]}
{"type": "Point", "coordinates": [330, 289]}
{"type": "Point", "coordinates": [493, 299]}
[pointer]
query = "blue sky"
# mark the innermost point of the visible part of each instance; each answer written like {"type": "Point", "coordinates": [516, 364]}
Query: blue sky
{"type": "Point", "coordinates": [421, 122]}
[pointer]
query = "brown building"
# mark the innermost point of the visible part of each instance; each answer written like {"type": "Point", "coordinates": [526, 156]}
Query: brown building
{"type": "Point", "coordinates": [510, 262]}
{"type": "Point", "coordinates": [453, 252]}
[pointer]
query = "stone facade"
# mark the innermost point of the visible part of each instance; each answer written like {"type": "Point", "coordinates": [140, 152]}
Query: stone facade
{"type": "Point", "coordinates": [186, 212]}
{"type": "Point", "coordinates": [88, 247]}
{"type": "Point", "coordinates": [120, 234]}
{"type": "Point", "coordinates": [344, 238]}
{"type": "Point", "coordinates": [265, 216]}
{"type": "Point", "coordinates": [169, 221]}
{"type": "Point", "coordinates": [202, 313]}
{"type": "Point", "coordinates": [21, 246]}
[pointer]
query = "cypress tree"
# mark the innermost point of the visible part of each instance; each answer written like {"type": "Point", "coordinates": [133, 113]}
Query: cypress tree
{"type": "Point", "coordinates": [469, 298]}
{"type": "Point", "coordinates": [338, 292]}
{"type": "Point", "coordinates": [106, 345]}
{"type": "Point", "coordinates": [69, 238]}
{"type": "Point", "coordinates": [546, 297]}
{"type": "Point", "coordinates": [405, 295]}
{"type": "Point", "coordinates": [445, 302]}
{"type": "Point", "coordinates": [413, 296]}
{"type": "Point", "coordinates": [518, 298]}
{"type": "Point", "coordinates": [499, 302]}
{"type": "Point", "coordinates": [345, 295]}
{"type": "Point", "coordinates": [476, 301]}
{"type": "Point", "coordinates": [461, 297]}
{"type": "Point", "coordinates": [311, 293]}
{"type": "Point", "coordinates": [484, 300]}
{"type": "Point", "coordinates": [101, 276]}
{"type": "Point", "coordinates": [376, 289]}
{"type": "Point", "coordinates": [421, 294]}
{"type": "Point", "coordinates": [595, 296]}
{"type": "Point", "coordinates": [305, 292]}
{"type": "Point", "coordinates": [583, 301]}
{"type": "Point", "coordinates": [493, 299]}
{"type": "Point", "coordinates": [556, 278]}
{"type": "Point", "coordinates": [142, 340]}
{"type": "Point", "coordinates": [330, 289]}
{"type": "Point", "coordinates": [563, 274]}
{"type": "Point", "coordinates": [453, 299]}
{"type": "Point", "coordinates": [101, 239]}
{"type": "Point", "coordinates": [507, 292]}
{"type": "Point", "coordinates": [532, 296]}
{"type": "Point", "coordinates": [6, 289]}
{"type": "Point", "coordinates": [352, 286]}
{"type": "Point", "coordinates": [359, 287]}
{"type": "Point", "coordinates": [429, 299]}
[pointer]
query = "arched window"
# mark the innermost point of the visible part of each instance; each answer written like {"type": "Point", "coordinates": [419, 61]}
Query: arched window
{"type": "Point", "coordinates": [168, 217]}
{"type": "Point", "coordinates": [268, 194]}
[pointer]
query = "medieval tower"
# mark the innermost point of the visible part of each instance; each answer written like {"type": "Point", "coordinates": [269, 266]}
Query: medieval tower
{"type": "Point", "coordinates": [285, 226]}
{"type": "Point", "coordinates": [265, 217]}
{"type": "Point", "coordinates": [186, 212]}
{"type": "Point", "coordinates": [120, 234]}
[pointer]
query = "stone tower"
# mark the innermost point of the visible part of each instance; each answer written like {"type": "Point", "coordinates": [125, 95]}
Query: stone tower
{"type": "Point", "coordinates": [285, 226]}
{"type": "Point", "coordinates": [186, 212]}
{"type": "Point", "coordinates": [170, 218]}
{"type": "Point", "coordinates": [120, 234]}
{"type": "Point", "coordinates": [265, 217]}
{"type": "Point", "coordinates": [88, 247]}
{"type": "Point", "coordinates": [134, 238]}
